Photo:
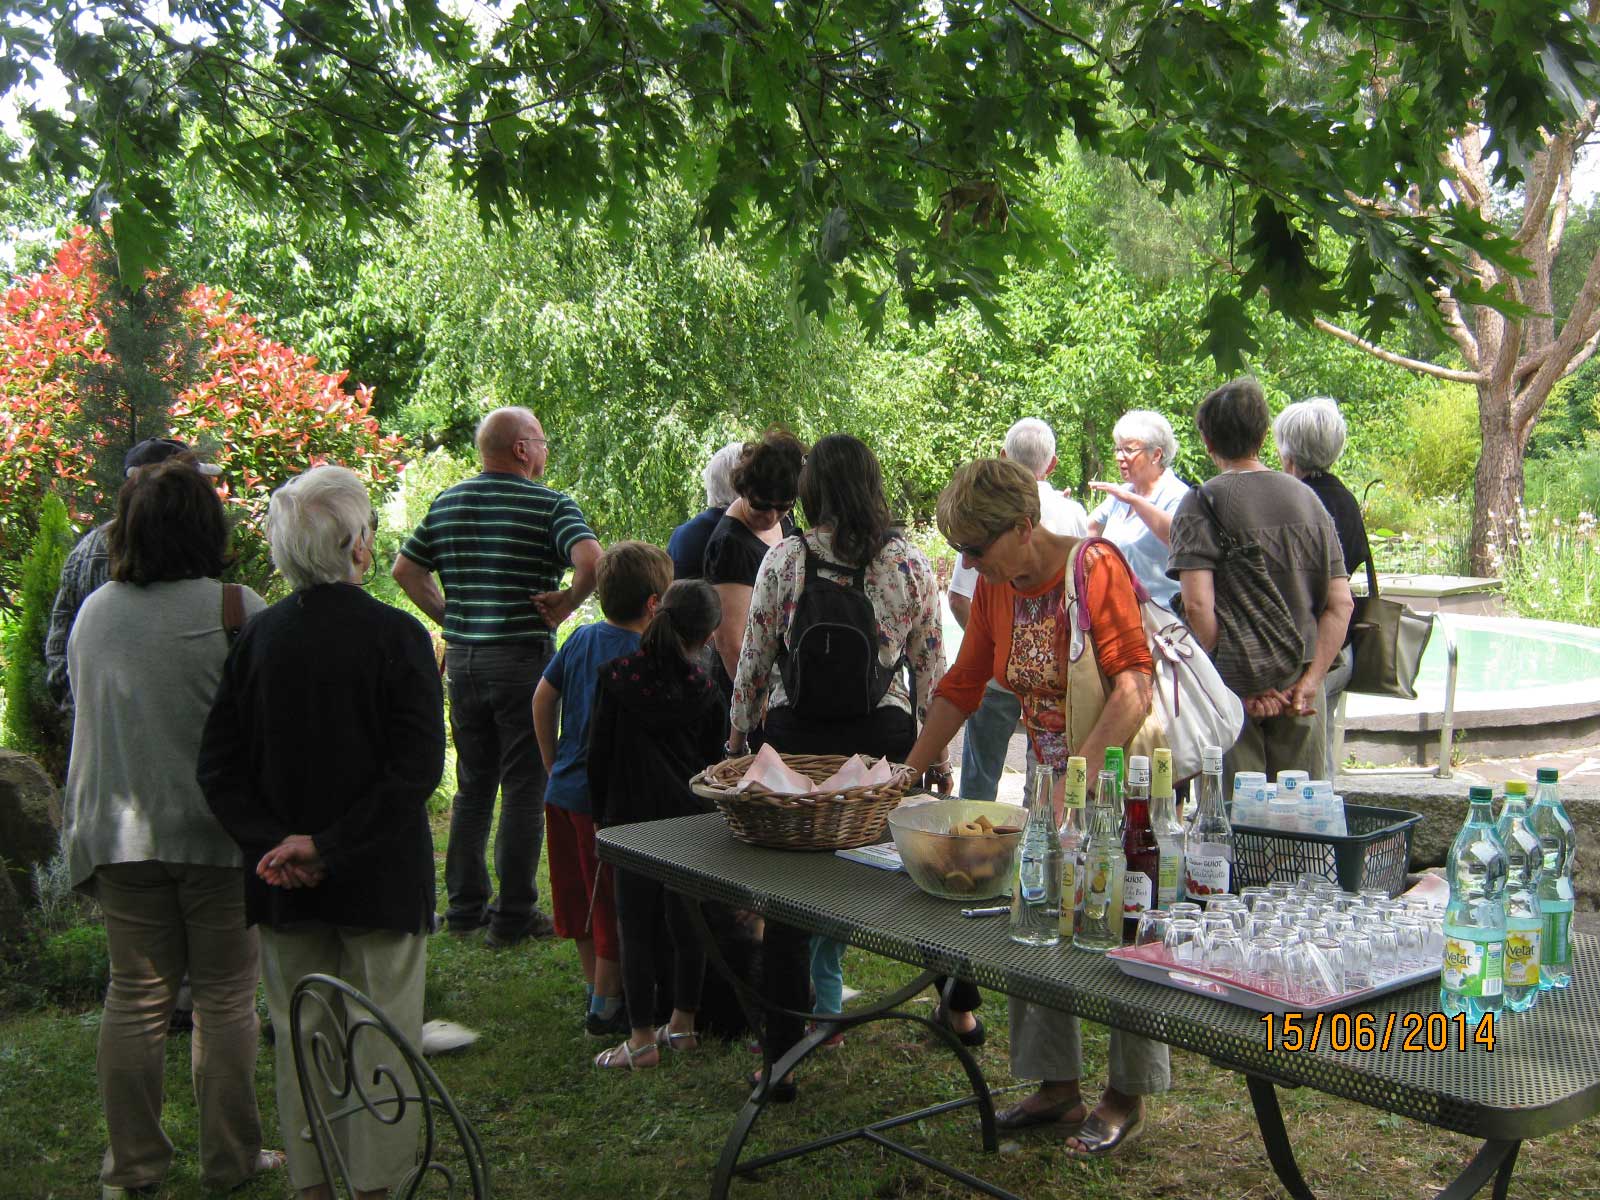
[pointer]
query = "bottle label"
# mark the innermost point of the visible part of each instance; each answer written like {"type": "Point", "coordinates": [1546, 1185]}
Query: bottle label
{"type": "Point", "coordinates": [1555, 950]}
{"type": "Point", "coordinates": [1135, 893]}
{"type": "Point", "coordinates": [1205, 876]}
{"type": "Point", "coordinates": [1077, 783]}
{"type": "Point", "coordinates": [1522, 958]}
{"type": "Point", "coordinates": [1473, 969]}
{"type": "Point", "coordinates": [1167, 881]}
{"type": "Point", "coordinates": [1070, 894]}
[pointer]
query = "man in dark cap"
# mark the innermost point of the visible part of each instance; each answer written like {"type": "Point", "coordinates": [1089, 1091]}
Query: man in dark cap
{"type": "Point", "coordinates": [88, 565]}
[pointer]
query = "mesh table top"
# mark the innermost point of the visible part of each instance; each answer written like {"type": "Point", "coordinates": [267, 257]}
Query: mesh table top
{"type": "Point", "coordinates": [1543, 1074]}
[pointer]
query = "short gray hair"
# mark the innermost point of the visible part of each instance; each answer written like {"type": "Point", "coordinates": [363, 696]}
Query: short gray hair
{"type": "Point", "coordinates": [718, 476]}
{"type": "Point", "coordinates": [1312, 433]}
{"type": "Point", "coordinates": [1032, 443]}
{"type": "Point", "coordinates": [312, 523]}
{"type": "Point", "coordinates": [1151, 428]}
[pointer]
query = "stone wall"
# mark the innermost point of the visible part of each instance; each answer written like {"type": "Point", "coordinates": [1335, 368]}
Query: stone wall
{"type": "Point", "coordinates": [1443, 805]}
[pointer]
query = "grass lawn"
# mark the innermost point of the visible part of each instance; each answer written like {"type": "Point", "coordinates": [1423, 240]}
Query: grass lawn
{"type": "Point", "coordinates": [554, 1126]}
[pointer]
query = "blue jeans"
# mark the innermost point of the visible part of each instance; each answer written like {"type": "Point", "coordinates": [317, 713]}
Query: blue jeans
{"type": "Point", "coordinates": [827, 973]}
{"type": "Point", "coordinates": [491, 723]}
{"type": "Point", "coordinates": [988, 734]}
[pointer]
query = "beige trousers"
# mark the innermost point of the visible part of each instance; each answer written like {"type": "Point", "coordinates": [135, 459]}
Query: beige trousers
{"type": "Point", "coordinates": [389, 968]}
{"type": "Point", "coordinates": [1046, 1043]}
{"type": "Point", "coordinates": [163, 919]}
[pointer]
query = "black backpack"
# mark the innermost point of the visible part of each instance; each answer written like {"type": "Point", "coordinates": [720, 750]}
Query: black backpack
{"type": "Point", "coordinates": [830, 667]}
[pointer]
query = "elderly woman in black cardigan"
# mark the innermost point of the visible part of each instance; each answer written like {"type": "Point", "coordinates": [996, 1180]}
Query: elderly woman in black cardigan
{"type": "Point", "coordinates": [323, 745]}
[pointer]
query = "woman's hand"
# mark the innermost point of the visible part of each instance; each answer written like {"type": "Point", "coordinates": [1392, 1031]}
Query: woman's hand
{"type": "Point", "coordinates": [293, 863]}
{"type": "Point", "coordinates": [1115, 490]}
{"type": "Point", "coordinates": [939, 778]}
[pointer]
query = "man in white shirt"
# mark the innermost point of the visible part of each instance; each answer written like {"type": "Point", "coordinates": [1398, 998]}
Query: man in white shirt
{"type": "Point", "coordinates": [1031, 443]}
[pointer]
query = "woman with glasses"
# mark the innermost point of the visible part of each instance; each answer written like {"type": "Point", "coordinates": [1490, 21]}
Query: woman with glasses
{"type": "Point", "coordinates": [766, 480]}
{"type": "Point", "coordinates": [1019, 633]}
{"type": "Point", "coordinates": [1137, 513]}
{"type": "Point", "coordinates": [854, 541]}
{"type": "Point", "coordinates": [320, 753]}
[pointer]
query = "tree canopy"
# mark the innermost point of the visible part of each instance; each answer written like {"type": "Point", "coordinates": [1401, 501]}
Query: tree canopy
{"type": "Point", "coordinates": [873, 148]}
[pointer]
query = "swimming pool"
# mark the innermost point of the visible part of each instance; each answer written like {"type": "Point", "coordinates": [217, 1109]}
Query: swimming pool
{"type": "Point", "coordinates": [1506, 664]}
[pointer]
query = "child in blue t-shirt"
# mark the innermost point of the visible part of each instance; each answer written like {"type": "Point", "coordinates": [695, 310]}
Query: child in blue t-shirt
{"type": "Point", "coordinates": [629, 581]}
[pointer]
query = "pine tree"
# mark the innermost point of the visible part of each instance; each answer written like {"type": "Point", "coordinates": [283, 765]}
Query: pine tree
{"type": "Point", "coordinates": [33, 723]}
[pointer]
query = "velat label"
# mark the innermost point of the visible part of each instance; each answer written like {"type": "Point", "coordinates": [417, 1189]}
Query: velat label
{"type": "Point", "coordinates": [1474, 968]}
{"type": "Point", "coordinates": [1522, 958]}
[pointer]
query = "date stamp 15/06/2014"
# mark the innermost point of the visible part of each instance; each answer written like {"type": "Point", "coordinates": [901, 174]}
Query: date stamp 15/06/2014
{"type": "Point", "coordinates": [1409, 1032]}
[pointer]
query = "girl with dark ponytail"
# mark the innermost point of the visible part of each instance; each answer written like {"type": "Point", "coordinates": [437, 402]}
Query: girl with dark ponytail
{"type": "Point", "coordinates": [658, 719]}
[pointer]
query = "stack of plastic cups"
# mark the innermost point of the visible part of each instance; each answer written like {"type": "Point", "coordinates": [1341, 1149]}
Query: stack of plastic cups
{"type": "Point", "coordinates": [1245, 785]}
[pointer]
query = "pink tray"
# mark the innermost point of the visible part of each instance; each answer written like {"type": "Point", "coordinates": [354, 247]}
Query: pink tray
{"type": "Point", "coordinates": [1147, 962]}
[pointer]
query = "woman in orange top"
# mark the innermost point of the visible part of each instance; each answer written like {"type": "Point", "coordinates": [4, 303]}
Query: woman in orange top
{"type": "Point", "coordinates": [1018, 634]}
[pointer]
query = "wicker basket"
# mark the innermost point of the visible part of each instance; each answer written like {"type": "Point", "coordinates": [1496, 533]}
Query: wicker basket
{"type": "Point", "coordinates": [836, 821]}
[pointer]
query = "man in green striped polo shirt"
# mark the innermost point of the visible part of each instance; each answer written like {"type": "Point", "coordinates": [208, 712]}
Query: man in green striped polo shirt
{"type": "Point", "coordinates": [486, 563]}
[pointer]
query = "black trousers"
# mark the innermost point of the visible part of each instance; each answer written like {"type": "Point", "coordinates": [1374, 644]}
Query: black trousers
{"type": "Point", "coordinates": [640, 901]}
{"type": "Point", "coordinates": [785, 951]}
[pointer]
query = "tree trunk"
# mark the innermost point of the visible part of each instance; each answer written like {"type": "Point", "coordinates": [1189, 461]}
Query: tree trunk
{"type": "Point", "coordinates": [1497, 483]}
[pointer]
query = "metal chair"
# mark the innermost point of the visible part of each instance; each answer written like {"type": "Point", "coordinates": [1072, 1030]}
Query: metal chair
{"type": "Point", "coordinates": [384, 1097]}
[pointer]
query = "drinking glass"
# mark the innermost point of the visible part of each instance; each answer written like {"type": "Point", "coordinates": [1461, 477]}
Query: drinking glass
{"type": "Point", "coordinates": [1225, 955]}
{"type": "Point", "coordinates": [1307, 884]}
{"type": "Point", "coordinates": [1301, 974]}
{"type": "Point", "coordinates": [1337, 922]}
{"type": "Point", "coordinates": [1328, 958]}
{"type": "Point", "coordinates": [1325, 892]}
{"type": "Point", "coordinates": [1345, 901]}
{"type": "Point", "coordinates": [1280, 890]}
{"type": "Point", "coordinates": [1213, 924]}
{"type": "Point", "coordinates": [1185, 908]}
{"type": "Point", "coordinates": [1263, 965]}
{"type": "Point", "coordinates": [1184, 942]}
{"type": "Point", "coordinates": [1153, 926]}
{"type": "Point", "coordinates": [1256, 924]}
{"type": "Point", "coordinates": [1251, 895]}
{"type": "Point", "coordinates": [1435, 928]}
{"type": "Point", "coordinates": [1373, 895]}
{"type": "Point", "coordinates": [1224, 902]}
{"type": "Point", "coordinates": [1411, 942]}
{"type": "Point", "coordinates": [1307, 928]}
{"type": "Point", "coordinates": [1385, 952]}
{"type": "Point", "coordinates": [1357, 947]}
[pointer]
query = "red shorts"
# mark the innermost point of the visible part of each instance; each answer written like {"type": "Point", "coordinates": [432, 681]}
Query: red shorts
{"type": "Point", "coordinates": [576, 874]}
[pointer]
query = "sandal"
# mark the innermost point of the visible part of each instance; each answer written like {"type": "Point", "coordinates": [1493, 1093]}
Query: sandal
{"type": "Point", "coordinates": [269, 1160]}
{"type": "Point", "coordinates": [1100, 1137]}
{"type": "Point", "coordinates": [625, 1057]}
{"type": "Point", "coordinates": [975, 1036]}
{"type": "Point", "coordinates": [682, 1043]}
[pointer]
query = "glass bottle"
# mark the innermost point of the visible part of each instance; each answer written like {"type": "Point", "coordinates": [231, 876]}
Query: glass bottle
{"type": "Point", "coordinates": [1074, 828]}
{"type": "Point", "coordinates": [1558, 844]}
{"type": "Point", "coordinates": [1169, 830]}
{"type": "Point", "coordinates": [1473, 979]}
{"type": "Point", "coordinates": [1141, 852]}
{"type": "Point", "coordinates": [1114, 764]}
{"type": "Point", "coordinates": [1100, 927]}
{"type": "Point", "coordinates": [1036, 898]}
{"type": "Point", "coordinates": [1208, 850]}
{"type": "Point", "coordinates": [1524, 920]}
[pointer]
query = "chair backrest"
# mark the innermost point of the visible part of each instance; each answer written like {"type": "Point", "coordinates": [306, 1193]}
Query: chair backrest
{"type": "Point", "coordinates": [325, 1067]}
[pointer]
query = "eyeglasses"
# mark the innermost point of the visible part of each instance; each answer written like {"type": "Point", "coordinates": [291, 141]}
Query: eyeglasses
{"type": "Point", "coordinates": [770, 505]}
{"type": "Point", "coordinates": [1130, 450]}
{"type": "Point", "coordinates": [975, 550]}
{"type": "Point", "coordinates": [545, 442]}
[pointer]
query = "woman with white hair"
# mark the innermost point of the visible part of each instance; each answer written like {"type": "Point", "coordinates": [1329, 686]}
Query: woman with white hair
{"type": "Point", "coordinates": [1137, 513]}
{"type": "Point", "coordinates": [687, 545]}
{"type": "Point", "coordinates": [323, 745]}
{"type": "Point", "coordinates": [1310, 436]}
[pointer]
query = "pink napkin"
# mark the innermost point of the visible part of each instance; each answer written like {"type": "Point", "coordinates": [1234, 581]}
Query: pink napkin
{"type": "Point", "coordinates": [772, 773]}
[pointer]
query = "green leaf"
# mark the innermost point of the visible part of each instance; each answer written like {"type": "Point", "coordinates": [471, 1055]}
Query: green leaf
{"type": "Point", "coordinates": [1228, 331]}
{"type": "Point", "coordinates": [142, 227]}
{"type": "Point", "coordinates": [812, 290]}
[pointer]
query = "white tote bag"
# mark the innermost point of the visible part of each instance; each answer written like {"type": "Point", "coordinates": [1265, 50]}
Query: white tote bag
{"type": "Point", "coordinates": [1190, 707]}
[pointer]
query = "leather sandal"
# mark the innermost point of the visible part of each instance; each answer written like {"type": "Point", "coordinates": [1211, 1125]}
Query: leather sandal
{"type": "Point", "coordinates": [1019, 1116]}
{"type": "Point", "coordinates": [625, 1057]}
{"type": "Point", "coordinates": [785, 1091]}
{"type": "Point", "coordinates": [1100, 1137]}
{"type": "Point", "coordinates": [681, 1043]}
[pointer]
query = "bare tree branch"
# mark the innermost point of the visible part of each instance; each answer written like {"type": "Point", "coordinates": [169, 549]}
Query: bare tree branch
{"type": "Point", "coordinates": [1432, 370]}
{"type": "Point", "coordinates": [1450, 311]}
{"type": "Point", "coordinates": [1574, 334]}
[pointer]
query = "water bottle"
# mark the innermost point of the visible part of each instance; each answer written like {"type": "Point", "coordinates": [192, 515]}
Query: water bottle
{"type": "Point", "coordinates": [1208, 850]}
{"type": "Point", "coordinates": [1473, 979]}
{"type": "Point", "coordinates": [1036, 898]}
{"type": "Point", "coordinates": [1074, 828]}
{"type": "Point", "coordinates": [1524, 920]}
{"type": "Point", "coordinates": [1557, 846]}
{"type": "Point", "coordinates": [1100, 927]}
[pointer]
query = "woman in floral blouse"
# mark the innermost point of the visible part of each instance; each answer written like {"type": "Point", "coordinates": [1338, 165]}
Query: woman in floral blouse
{"type": "Point", "coordinates": [841, 494]}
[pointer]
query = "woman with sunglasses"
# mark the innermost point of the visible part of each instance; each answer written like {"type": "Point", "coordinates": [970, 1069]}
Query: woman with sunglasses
{"type": "Point", "coordinates": [1018, 633]}
{"type": "Point", "coordinates": [1137, 513]}
{"type": "Point", "coordinates": [766, 481]}
{"type": "Point", "coordinates": [853, 540]}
